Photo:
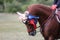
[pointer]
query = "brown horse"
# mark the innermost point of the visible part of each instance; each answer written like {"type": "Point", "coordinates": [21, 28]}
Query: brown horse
{"type": "Point", "coordinates": [48, 24]}
{"type": "Point", "coordinates": [39, 10]}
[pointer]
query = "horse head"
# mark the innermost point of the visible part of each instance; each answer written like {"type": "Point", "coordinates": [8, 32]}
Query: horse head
{"type": "Point", "coordinates": [34, 13]}
{"type": "Point", "coordinates": [29, 22]}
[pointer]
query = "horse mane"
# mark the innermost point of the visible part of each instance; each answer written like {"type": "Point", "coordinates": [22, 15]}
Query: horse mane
{"type": "Point", "coordinates": [41, 5]}
{"type": "Point", "coordinates": [36, 7]}
{"type": "Point", "coordinates": [45, 5]}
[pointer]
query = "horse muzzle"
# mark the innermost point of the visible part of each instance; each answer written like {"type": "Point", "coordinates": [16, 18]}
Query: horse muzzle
{"type": "Point", "coordinates": [32, 33]}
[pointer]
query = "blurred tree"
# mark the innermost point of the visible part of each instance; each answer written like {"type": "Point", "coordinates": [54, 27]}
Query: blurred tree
{"type": "Point", "coordinates": [46, 0]}
{"type": "Point", "coordinates": [21, 0]}
{"type": "Point", "coordinates": [8, 1]}
{"type": "Point", "coordinates": [1, 2]}
{"type": "Point", "coordinates": [21, 5]}
{"type": "Point", "coordinates": [2, 5]}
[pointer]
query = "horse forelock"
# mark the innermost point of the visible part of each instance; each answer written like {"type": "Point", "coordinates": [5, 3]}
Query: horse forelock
{"type": "Point", "coordinates": [26, 12]}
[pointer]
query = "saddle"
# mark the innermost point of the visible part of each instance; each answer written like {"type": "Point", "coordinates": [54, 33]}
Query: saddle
{"type": "Point", "coordinates": [58, 14]}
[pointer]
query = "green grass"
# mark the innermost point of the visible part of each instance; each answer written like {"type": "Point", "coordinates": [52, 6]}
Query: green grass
{"type": "Point", "coordinates": [10, 22]}
{"type": "Point", "coordinates": [12, 29]}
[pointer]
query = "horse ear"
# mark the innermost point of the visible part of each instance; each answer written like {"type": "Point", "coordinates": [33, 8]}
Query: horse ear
{"type": "Point", "coordinates": [20, 14]}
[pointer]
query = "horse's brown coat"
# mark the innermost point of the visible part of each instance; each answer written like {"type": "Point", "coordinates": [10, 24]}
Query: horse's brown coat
{"type": "Point", "coordinates": [49, 25]}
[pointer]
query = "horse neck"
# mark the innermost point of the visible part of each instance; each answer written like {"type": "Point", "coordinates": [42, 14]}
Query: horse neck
{"type": "Point", "coordinates": [46, 12]}
{"type": "Point", "coordinates": [40, 10]}
{"type": "Point", "coordinates": [42, 19]}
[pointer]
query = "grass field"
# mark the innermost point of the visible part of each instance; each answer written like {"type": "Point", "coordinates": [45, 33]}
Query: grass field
{"type": "Point", "coordinates": [12, 29]}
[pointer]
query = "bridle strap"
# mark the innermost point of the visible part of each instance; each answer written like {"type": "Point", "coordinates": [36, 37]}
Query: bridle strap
{"type": "Point", "coordinates": [30, 16]}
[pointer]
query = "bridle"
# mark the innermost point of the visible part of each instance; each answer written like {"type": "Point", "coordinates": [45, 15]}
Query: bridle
{"type": "Point", "coordinates": [29, 19]}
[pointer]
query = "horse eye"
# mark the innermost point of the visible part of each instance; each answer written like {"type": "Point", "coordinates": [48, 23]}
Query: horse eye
{"type": "Point", "coordinates": [26, 22]}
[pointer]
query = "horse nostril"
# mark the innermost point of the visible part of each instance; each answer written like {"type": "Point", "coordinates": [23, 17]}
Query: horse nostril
{"type": "Point", "coordinates": [32, 33]}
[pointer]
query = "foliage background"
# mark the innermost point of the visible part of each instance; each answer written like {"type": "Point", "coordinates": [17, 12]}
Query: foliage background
{"type": "Point", "coordinates": [12, 6]}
